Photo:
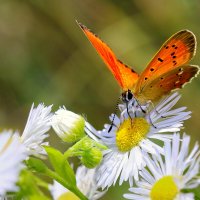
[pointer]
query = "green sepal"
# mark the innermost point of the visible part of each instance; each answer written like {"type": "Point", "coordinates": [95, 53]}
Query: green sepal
{"type": "Point", "coordinates": [61, 165]}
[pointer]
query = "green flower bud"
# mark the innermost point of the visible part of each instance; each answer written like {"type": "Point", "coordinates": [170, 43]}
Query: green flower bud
{"type": "Point", "coordinates": [68, 125]}
{"type": "Point", "coordinates": [92, 157]}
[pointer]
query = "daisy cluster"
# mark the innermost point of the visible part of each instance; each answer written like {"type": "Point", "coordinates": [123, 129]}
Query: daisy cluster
{"type": "Point", "coordinates": [142, 146]}
{"type": "Point", "coordinates": [145, 148]}
{"type": "Point", "coordinates": [15, 149]}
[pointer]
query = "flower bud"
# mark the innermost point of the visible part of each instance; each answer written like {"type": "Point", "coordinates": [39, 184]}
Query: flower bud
{"type": "Point", "coordinates": [92, 158]}
{"type": "Point", "coordinates": [68, 125]}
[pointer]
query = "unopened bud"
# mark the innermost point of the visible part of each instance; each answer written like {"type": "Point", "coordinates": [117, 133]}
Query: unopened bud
{"type": "Point", "coordinates": [92, 158]}
{"type": "Point", "coordinates": [68, 125]}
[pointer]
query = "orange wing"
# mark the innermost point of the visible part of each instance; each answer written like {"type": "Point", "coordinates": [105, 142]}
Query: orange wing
{"type": "Point", "coordinates": [174, 79]}
{"type": "Point", "coordinates": [125, 76]}
{"type": "Point", "coordinates": [175, 52]}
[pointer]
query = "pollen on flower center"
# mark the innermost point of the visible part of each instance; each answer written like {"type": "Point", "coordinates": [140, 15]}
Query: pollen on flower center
{"type": "Point", "coordinates": [131, 132]}
{"type": "Point", "coordinates": [165, 189]}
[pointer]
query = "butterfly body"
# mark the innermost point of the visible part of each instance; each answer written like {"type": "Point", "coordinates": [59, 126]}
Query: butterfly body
{"type": "Point", "coordinates": [167, 71]}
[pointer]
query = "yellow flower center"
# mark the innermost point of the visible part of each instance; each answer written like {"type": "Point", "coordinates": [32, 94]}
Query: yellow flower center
{"type": "Point", "coordinates": [165, 189]}
{"type": "Point", "coordinates": [68, 196]}
{"type": "Point", "coordinates": [131, 132]}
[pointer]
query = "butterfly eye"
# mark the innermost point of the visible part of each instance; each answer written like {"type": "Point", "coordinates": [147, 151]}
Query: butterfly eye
{"type": "Point", "coordinates": [127, 96]}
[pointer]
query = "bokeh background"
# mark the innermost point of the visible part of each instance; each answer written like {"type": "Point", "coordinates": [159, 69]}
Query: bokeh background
{"type": "Point", "coordinates": [45, 57]}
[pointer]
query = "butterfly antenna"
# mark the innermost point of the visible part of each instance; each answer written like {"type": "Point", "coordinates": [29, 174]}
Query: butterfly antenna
{"type": "Point", "coordinates": [112, 122]}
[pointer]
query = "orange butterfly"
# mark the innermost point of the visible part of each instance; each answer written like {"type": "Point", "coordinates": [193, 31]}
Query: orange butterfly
{"type": "Point", "coordinates": [168, 70]}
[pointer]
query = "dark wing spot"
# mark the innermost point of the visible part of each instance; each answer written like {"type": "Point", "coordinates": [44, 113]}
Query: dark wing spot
{"type": "Point", "coordinates": [159, 59]}
{"type": "Point", "coordinates": [126, 66]}
{"type": "Point", "coordinates": [120, 61]}
{"type": "Point", "coordinates": [173, 45]}
{"type": "Point", "coordinates": [152, 69]}
{"type": "Point", "coordinates": [160, 85]}
{"type": "Point", "coordinates": [176, 48]}
{"type": "Point", "coordinates": [145, 78]}
{"type": "Point", "coordinates": [161, 78]}
{"type": "Point", "coordinates": [174, 57]}
{"type": "Point", "coordinates": [174, 62]}
{"type": "Point", "coordinates": [172, 53]}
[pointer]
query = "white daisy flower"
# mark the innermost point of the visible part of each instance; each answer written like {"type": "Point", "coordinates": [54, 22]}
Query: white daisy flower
{"type": "Point", "coordinates": [68, 125]}
{"type": "Point", "coordinates": [85, 182]}
{"type": "Point", "coordinates": [12, 154]}
{"type": "Point", "coordinates": [167, 177]}
{"type": "Point", "coordinates": [131, 135]}
{"type": "Point", "coordinates": [35, 132]}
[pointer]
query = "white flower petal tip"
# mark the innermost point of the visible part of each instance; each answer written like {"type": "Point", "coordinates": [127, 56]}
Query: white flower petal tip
{"type": "Point", "coordinates": [68, 125]}
{"type": "Point", "coordinates": [35, 131]}
{"type": "Point", "coordinates": [85, 182]}
{"type": "Point", "coordinates": [130, 136]}
{"type": "Point", "coordinates": [12, 154]}
{"type": "Point", "coordinates": [165, 177]}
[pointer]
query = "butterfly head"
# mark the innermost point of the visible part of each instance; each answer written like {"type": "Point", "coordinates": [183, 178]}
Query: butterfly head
{"type": "Point", "coordinates": [127, 96]}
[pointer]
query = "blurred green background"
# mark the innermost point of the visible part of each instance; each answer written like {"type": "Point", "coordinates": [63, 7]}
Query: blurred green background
{"type": "Point", "coordinates": [45, 57]}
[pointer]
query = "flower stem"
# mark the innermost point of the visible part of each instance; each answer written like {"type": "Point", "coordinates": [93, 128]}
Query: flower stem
{"type": "Point", "coordinates": [59, 179]}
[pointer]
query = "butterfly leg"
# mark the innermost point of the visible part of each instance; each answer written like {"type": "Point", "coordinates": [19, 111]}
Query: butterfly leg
{"type": "Point", "coordinates": [150, 120]}
{"type": "Point", "coordinates": [144, 111]}
{"type": "Point", "coordinates": [148, 111]}
{"type": "Point", "coordinates": [157, 112]}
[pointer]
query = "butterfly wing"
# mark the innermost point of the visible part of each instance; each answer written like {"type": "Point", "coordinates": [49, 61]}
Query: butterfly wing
{"type": "Point", "coordinates": [175, 52]}
{"type": "Point", "coordinates": [174, 79]}
{"type": "Point", "coordinates": [125, 76]}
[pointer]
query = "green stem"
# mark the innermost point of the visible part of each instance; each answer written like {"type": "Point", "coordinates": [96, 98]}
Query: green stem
{"type": "Point", "coordinates": [41, 183]}
{"type": "Point", "coordinates": [73, 151]}
{"type": "Point", "coordinates": [59, 179]}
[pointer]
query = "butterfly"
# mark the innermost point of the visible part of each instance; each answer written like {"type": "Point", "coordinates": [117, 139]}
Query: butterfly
{"type": "Point", "coordinates": [167, 71]}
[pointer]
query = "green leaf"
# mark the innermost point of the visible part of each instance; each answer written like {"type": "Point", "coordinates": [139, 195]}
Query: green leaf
{"type": "Point", "coordinates": [29, 188]}
{"type": "Point", "coordinates": [36, 164]}
{"type": "Point", "coordinates": [70, 176]}
{"type": "Point", "coordinates": [61, 165]}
